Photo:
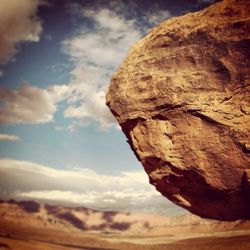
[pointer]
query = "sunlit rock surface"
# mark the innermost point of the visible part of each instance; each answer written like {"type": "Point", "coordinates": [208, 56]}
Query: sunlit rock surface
{"type": "Point", "coordinates": [182, 97]}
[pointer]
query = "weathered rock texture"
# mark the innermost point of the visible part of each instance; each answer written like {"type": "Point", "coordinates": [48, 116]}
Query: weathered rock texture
{"type": "Point", "coordinates": [182, 97]}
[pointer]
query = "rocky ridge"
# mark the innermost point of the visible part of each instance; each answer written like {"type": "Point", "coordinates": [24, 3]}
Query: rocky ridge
{"type": "Point", "coordinates": [182, 97]}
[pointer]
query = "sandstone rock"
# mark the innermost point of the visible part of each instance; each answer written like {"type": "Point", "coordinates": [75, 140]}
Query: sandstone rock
{"type": "Point", "coordinates": [182, 97]}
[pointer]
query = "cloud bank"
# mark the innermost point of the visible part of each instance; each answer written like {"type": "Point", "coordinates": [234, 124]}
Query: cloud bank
{"type": "Point", "coordinates": [96, 49]}
{"type": "Point", "coordinates": [128, 191]}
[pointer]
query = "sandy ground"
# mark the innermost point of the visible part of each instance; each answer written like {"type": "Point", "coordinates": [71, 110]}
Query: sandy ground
{"type": "Point", "coordinates": [21, 238]}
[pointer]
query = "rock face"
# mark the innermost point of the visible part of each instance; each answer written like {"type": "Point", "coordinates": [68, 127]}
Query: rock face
{"type": "Point", "coordinates": [182, 97]}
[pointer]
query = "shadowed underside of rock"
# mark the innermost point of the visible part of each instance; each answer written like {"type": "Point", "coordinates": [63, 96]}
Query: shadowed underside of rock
{"type": "Point", "coordinates": [182, 97]}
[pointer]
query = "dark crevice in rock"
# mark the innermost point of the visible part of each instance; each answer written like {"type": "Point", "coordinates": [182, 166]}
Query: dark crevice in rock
{"type": "Point", "coordinates": [226, 99]}
{"type": "Point", "coordinates": [219, 67]}
{"type": "Point", "coordinates": [205, 118]}
{"type": "Point", "coordinates": [245, 181]}
{"type": "Point", "coordinates": [130, 124]}
{"type": "Point", "coordinates": [243, 111]}
{"type": "Point", "coordinates": [237, 137]}
{"type": "Point", "coordinates": [169, 106]}
{"type": "Point", "coordinates": [159, 117]}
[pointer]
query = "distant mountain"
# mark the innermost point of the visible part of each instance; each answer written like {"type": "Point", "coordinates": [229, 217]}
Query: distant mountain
{"type": "Point", "coordinates": [34, 215]}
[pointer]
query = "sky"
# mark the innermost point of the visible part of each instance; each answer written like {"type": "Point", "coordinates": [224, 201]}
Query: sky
{"type": "Point", "coordinates": [59, 143]}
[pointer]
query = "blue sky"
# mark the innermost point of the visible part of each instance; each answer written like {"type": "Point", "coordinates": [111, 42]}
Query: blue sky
{"type": "Point", "coordinates": [56, 60]}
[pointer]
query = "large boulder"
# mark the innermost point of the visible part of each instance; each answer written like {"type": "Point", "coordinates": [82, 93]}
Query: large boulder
{"type": "Point", "coordinates": [182, 97]}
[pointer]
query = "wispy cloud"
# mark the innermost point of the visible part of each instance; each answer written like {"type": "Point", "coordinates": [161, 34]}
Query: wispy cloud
{"type": "Point", "coordinates": [8, 137]}
{"type": "Point", "coordinates": [128, 191]}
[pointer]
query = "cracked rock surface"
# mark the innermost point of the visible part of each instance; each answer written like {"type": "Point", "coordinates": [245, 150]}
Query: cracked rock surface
{"type": "Point", "coordinates": [182, 97]}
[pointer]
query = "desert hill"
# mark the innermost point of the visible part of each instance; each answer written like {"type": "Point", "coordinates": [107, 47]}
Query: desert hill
{"type": "Point", "coordinates": [25, 223]}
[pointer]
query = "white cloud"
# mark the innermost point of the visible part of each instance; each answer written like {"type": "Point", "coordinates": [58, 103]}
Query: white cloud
{"type": "Point", "coordinates": [96, 52]}
{"type": "Point", "coordinates": [128, 191]}
{"type": "Point", "coordinates": [18, 23]}
{"type": "Point", "coordinates": [59, 93]}
{"type": "Point", "coordinates": [8, 137]}
{"type": "Point", "coordinates": [94, 109]}
{"type": "Point", "coordinates": [30, 104]}
{"type": "Point", "coordinates": [27, 104]}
